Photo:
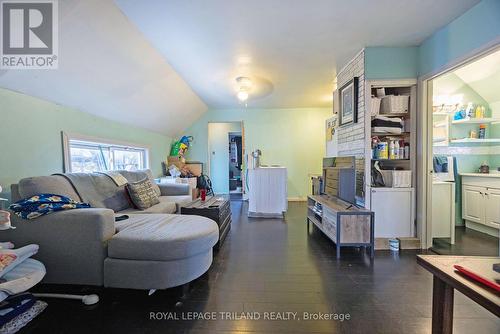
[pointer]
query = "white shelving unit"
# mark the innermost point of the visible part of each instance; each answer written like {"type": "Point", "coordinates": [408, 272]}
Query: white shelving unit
{"type": "Point", "coordinates": [475, 140]}
{"type": "Point", "coordinates": [441, 129]}
{"type": "Point", "coordinates": [443, 121]}
{"type": "Point", "coordinates": [400, 220]}
{"type": "Point", "coordinates": [475, 121]}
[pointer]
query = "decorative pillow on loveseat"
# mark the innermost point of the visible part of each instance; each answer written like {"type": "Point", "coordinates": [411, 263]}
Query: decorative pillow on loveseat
{"type": "Point", "coordinates": [143, 194]}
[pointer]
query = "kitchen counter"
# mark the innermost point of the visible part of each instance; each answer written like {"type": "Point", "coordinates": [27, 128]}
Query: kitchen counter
{"type": "Point", "coordinates": [495, 174]}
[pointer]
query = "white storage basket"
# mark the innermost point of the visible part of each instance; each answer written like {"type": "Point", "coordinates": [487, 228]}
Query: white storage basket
{"type": "Point", "coordinates": [397, 178]}
{"type": "Point", "coordinates": [394, 104]}
{"type": "Point", "coordinates": [375, 106]}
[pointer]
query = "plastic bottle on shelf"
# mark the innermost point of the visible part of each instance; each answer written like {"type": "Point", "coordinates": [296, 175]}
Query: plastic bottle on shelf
{"type": "Point", "coordinates": [382, 150]}
{"type": "Point", "coordinates": [482, 131]}
{"type": "Point", "coordinates": [407, 151]}
{"type": "Point", "coordinates": [401, 153]}
{"type": "Point", "coordinates": [391, 150]}
{"type": "Point", "coordinates": [396, 150]}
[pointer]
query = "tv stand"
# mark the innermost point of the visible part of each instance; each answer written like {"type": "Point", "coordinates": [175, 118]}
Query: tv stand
{"type": "Point", "coordinates": [344, 223]}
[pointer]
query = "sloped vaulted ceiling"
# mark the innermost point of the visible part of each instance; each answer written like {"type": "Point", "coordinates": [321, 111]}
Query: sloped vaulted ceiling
{"type": "Point", "coordinates": [295, 45]}
{"type": "Point", "coordinates": [107, 68]}
{"type": "Point", "coordinates": [483, 76]}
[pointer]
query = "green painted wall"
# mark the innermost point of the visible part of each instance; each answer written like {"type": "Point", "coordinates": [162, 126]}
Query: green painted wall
{"type": "Point", "coordinates": [391, 62]}
{"type": "Point", "coordinates": [476, 28]}
{"type": "Point", "coordinates": [30, 136]}
{"type": "Point", "coordinates": [294, 138]}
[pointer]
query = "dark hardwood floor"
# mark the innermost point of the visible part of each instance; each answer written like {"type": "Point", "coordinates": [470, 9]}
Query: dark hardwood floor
{"type": "Point", "coordinates": [467, 242]}
{"type": "Point", "coordinates": [270, 265]}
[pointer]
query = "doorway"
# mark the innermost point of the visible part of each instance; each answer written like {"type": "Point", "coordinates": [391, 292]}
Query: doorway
{"type": "Point", "coordinates": [463, 158]}
{"type": "Point", "coordinates": [235, 165]}
{"type": "Point", "coordinates": [220, 165]}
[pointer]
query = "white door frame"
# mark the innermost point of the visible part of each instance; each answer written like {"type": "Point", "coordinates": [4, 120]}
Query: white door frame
{"type": "Point", "coordinates": [424, 139]}
{"type": "Point", "coordinates": [209, 154]}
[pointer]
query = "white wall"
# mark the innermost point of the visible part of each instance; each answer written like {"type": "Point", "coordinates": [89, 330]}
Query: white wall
{"type": "Point", "coordinates": [352, 136]}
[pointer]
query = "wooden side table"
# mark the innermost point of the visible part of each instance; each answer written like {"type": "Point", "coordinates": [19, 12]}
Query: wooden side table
{"type": "Point", "coordinates": [446, 280]}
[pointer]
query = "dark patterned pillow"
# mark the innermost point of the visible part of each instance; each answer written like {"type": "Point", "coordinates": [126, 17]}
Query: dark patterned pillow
{"type": "Point", "coordinates": [143, 194]}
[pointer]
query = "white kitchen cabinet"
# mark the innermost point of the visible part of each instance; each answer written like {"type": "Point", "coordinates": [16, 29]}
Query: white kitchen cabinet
{"type": "Point", "coordinates": [492, 209]}
{"type": "Point", "coordinates": [473, 203]}
{"type": "Point", "coordinates": [394, 212]}
{"type": "Point", "coordinates": [481, 202]}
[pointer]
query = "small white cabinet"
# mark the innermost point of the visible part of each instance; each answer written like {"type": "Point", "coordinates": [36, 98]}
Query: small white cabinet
{"type": "Point", "coordinates": [473, 203]}
{"type": "Point", "coordinates": [393, 208]}
{"type": "Point", "coordinates": [481, 202]}
{"type": "Point", "coordinates": [492, 209]}
{"type": "Point", "coordinates": [443, 210]}
{"type": "Point", "coordinates": [267, 192]}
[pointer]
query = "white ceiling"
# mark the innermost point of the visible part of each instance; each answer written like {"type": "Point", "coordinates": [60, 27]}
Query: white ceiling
{"type": "Point", "coordinates": [107, 68]}
{"type": "Point", "coordinates": [483, 76]}
{"type": "Point", "coordinates": [190, 52]}
{"type": "Point", "coordinates": [292, 46]}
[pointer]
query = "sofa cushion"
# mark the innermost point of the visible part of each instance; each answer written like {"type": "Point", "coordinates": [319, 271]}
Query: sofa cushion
{"type": "Point", "coordinates": [166, 205]}
{"type": "Point", "coordinates": [54, 184]}
{"type": "Point", "coordinates": [99, 190]}
{"type": "Point", "coordinates": [138, 175]}
{"type": "Point", "coordinates": [162, 237]}
{"type": "Point", "coordinates": [142, 194]}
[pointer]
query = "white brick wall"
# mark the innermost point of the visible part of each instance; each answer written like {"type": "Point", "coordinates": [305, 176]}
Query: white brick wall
{"type": "Point", "coordinates": [352, 137]}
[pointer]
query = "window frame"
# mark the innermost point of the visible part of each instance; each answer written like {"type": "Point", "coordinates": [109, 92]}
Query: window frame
{"type": "Point", "coordinates": [111, 143]}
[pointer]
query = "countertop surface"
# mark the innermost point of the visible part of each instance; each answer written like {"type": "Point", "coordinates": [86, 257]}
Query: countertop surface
{"type": "Point", "coordinates": [481, 174]}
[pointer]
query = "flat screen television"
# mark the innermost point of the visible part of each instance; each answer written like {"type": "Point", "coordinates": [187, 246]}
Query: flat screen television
{"type": "Point", "coordinates": [349, 182]}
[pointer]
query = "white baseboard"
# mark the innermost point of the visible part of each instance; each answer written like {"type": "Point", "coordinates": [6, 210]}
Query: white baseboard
{"type": "Point", "coordinates": [297, 199]}
{"type": "Point", "coordinates": [482, 228]}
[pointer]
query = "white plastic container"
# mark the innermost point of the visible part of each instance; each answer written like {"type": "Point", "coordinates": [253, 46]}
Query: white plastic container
{"type": "Point", "coordinates": [397, 178]}
{"type": "Point", "coordinates": [394, 104]}
{"type": "Point", "coordinates": [375, 106]}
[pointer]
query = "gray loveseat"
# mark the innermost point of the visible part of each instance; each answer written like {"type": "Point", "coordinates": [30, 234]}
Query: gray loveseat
{"type": "Point", "coordinates": [152, 249]}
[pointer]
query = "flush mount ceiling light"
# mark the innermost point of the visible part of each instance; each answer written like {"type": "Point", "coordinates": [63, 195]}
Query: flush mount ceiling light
{"type": "Point", "coordinates": [243, 85]}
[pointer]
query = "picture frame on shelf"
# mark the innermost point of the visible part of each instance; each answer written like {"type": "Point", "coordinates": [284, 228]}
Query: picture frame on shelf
{"type": "Point", "coordinates": [348, 102]}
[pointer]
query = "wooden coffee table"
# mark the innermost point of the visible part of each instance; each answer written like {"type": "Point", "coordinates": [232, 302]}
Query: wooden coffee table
{"type": "Point", "coordinates": [446, 279]}
{"type": "Point", "coordinates": [216, 208]}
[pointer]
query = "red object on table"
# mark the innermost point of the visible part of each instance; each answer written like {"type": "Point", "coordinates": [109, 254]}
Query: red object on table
{"type": "Point", "coordinates": [477, 277]}
{"type": "Point", "coordinates": [203, 194]}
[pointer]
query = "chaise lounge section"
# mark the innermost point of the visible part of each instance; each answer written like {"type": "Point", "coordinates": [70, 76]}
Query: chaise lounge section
{"type": "Point", "coordinates": [152, 249]}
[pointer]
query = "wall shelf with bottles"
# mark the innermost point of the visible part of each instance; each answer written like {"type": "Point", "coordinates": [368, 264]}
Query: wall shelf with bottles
{"type": "Point", "coordinates": [475, 121]}
{"type": "Point", "coordinates": [475, 140]}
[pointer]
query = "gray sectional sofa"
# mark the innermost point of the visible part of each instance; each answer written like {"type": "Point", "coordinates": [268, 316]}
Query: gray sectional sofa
{"type": "Point", "coordinates": [152, 249]}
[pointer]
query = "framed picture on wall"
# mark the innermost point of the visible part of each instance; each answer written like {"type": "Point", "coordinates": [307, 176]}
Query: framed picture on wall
{"type": "Point", "coordinates": [348, 102]}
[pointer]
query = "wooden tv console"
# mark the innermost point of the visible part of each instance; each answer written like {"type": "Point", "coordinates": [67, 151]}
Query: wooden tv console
{"type": "Point", "coordinates": [344, 223]}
